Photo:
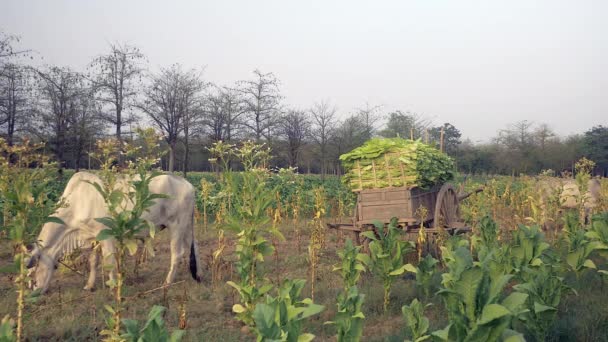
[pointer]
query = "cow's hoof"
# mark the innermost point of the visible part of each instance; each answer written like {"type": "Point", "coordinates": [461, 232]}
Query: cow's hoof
{"type": "Point", "coordinates": [89, 288]}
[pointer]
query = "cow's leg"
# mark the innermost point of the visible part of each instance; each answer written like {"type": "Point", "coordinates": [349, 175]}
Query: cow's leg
{"type": "Point", "coordinates": [108, 251]}
{"type": "Point", "coordinates": [93, 260]}
{"type": "Point", "coordinates": [177, 253]}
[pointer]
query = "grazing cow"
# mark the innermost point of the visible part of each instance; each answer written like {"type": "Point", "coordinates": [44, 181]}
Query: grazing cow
{"type": "Point", "coordinates": [569, 194]}
{"type": "Point", "coordinates": [84, 204]}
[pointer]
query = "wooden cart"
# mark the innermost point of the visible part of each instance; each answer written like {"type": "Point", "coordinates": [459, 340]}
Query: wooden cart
{"type": "Point", "coordinates": [381, 205]}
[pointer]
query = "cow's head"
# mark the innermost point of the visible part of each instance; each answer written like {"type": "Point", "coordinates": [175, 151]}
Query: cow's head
{"type": "Point", "coordinates": [40, 270]}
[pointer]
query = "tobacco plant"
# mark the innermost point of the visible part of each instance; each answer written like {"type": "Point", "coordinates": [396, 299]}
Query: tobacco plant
{"type": "Point", "coordinates": [387, 252]}
{"type": "Point", "coordinates": [579, 246]}
{"type": "Point", "coordinates": [349, 317]}
{"type": "Point", "coordinates": [426, 269]}
{"type": "Point", "coordinates": [317, 237]}
{"type": "Point", "coordinates": [527, 249]}
{"type": "Point", "coordinates": [598, 231]}
{"type": "Point", "coordinates": [154, 329]}
{"type": "Point", "coordinates": [544, 289]}
{"type": "Point", "coordinates": [417, 324]}
{"type": "Point", "coordinates": [473, 296]}
{"type": "Point", "coordinates": [25, 175]}
{"type": "Point", "coordinates": [280, 318]}
{"type": "Point", "coordinates": [251, 223]}
{"type": "Point", "coordinates": [125, 209]}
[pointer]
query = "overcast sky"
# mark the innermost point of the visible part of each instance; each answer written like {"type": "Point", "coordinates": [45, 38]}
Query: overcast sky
{"type": "Point", "coordinates": [479, 65]}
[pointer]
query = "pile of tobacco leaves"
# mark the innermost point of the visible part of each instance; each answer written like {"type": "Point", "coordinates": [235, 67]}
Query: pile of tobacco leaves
{"type": "Point", "coordinates": [396, 162]}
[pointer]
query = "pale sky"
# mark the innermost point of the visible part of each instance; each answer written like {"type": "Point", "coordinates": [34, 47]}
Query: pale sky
{"type": "Point", "coordinates": [479, 65]}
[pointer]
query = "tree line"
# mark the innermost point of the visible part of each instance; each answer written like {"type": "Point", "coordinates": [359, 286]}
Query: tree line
{"type": "Point", "coordinates": [70, 109]}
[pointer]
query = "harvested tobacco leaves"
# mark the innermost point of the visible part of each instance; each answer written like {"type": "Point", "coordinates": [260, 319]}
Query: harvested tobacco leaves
{"type": "Point", "coordinates": [396, 162]}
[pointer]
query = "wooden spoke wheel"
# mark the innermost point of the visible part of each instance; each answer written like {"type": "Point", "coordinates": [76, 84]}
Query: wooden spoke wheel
{"type": "Point", "coordinates": [447, 210]}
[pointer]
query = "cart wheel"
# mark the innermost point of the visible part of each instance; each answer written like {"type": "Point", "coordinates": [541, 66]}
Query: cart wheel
{"type": "Point", "coordinates": [447, 211]}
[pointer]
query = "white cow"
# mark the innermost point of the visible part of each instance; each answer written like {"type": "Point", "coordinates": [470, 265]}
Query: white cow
{"type": "Point", "coordinates": [569, 194]}
{"type": "Point", "coordinates": [84, 204]}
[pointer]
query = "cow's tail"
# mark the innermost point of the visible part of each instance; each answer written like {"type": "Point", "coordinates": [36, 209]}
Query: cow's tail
{"type": "Point", "coordinates": [194, 264]}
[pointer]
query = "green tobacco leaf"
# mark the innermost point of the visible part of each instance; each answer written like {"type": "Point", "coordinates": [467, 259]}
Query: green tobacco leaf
{"type": "Point", "coordinates": [53, 219]}
{"type": "Point", "coordinates": [538, 308]}
{"type": "Point", "coordinates": [589, 264]}
{"type": "Point", "coordinates": [306, 337]}
{"type": "Point", "coordinates": [104, 235]}
{"type": "Point", "coordinates": [515, 301]}
{"type": "Point", "coordinates": [493, 312]}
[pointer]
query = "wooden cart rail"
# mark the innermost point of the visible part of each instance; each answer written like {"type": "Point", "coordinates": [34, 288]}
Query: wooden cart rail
{"type": "Point", "coordinates": [381, 205]}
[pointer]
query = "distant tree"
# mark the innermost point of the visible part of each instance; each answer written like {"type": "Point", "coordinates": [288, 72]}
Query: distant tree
{"type": "Point", "coordinates": [214, 120]}
{"type": "Point", "coordinates": [518, 141]}
{"type": "Point", "coordinates": [294, 128]}
{"type": "Point", "coordinates": [451, 137]}
{"type": "Point", "coordinates": [402, 125]}
{"type": "Point", "coordinates": [223, 110]}
{"type": "Point", "coordinates": [86, 124]}
{"type": "Point", "coordinates": [233, 108]}
{"type": "Point", "coordinates": [323, 122]}
{"type": "Point", "coordinates": [595, 147]}
{"type": "Point", "coordinates": [59, 89]}
{"type": "Point", "coordinates": [7, 49]}
{"type": "Point", "coordinates": [262, 101]}
{"type": "Point", "coordinates": [15, 97]}
{"type": "Point", "coordinates": [115, 76]}
{"type": "Point", "coordinates": [169, 99]}
{"type": "Point", "coordinates": [476, 158]}
{"type": "Point", "coordinates": [542, 134]}
{"type": "Point", "coordinates": [347, 135]}
{"type": "Point", "coordinates": [369, 117]}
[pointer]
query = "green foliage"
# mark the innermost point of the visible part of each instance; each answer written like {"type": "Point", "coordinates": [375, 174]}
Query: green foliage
{"type": "Point", "coordinates": [598, 232]}
{"type": "Point", "coordinates": [387, 252]}
{"type": "Point", "coordinates": [349, 317]}
{"type": "Point", "coordinates": [280, 318]}
{"type": "Point", "coordinates": [352, 265]}
{"type": "Point", "coordinates": [424, 274]}
{"type": "Point", "coordinates": [26, 207]}
{"type": "Point", "coordinates": [7, 327]}
{"type": "Point", "coordinates": [544, 289]}
{"type": "Point", "coordinates": [415, 321]}
{"type": "Point", "coordinates": [527, 248]}
{"type": "Point", "coordinates": [579, 246]}
{"type": "Point", "coordinates": [154, 330]}
{"type": "Point", "coordinates": [251, 223]}
{"type": "Point", "coordinates": [487, 239]}
{"type": "Point", "coordinates": [473, 296]}
{"type": "Point", "coordinates": [127, 196]}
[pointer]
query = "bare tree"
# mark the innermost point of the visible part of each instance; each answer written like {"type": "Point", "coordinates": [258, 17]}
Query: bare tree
{"type": "Point", "coordinates": [214, 119]}
{"type": "Point", "coordinates": [169, 99]}
{"type": "Point", "coordinates": [542, 134]}
{"type": "Point", "coordinates": [294, 127]}
{"type": "Point", "coordinates": [323, 119]}
{"type": "Point", "coordinates": [15, 94]}
{"type": "Point", "coordinates": [86, 124]}
{"type": "Point", "coordinates": [115, 76]}
{"type": "Point", "coordinates": [347, 135]}
{"type": "Point", "coordinates": [369, 116]}
{"type": "Point", "coordinates": [233, 108]}
{"type": "Point", "coordinates": [6, 47]}
{"type": "Point", "coordinates": [262, 100]}
{"type": "Point", "coordinates": [223, 112]}
{"type": "Point", "coordinates": [59, 90]}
